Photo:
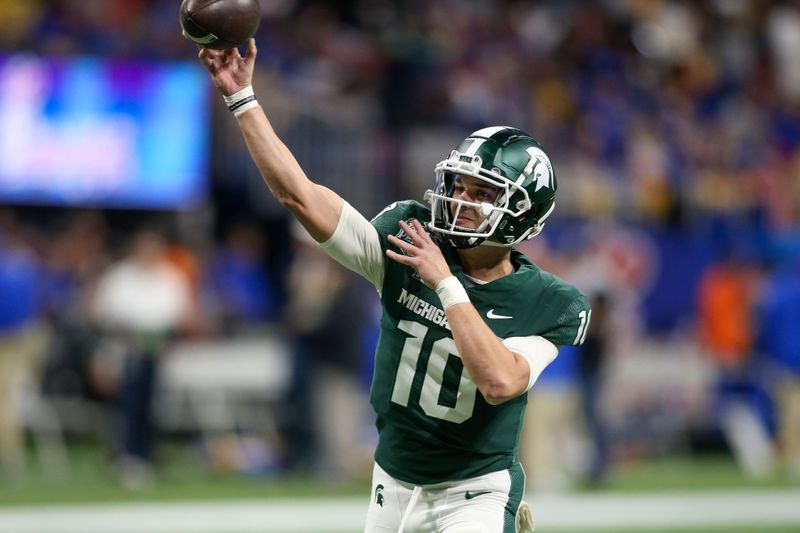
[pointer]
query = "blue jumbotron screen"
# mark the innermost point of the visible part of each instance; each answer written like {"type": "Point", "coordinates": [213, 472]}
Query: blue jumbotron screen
{"type": "Point", "coordinates": [88, 131]}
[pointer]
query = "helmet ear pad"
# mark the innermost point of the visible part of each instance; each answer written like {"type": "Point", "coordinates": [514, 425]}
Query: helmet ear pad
{"type": "Point", "coordinates": [515, 229]}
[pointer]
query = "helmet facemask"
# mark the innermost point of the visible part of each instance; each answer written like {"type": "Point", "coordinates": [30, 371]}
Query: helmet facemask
{"type": "Point", "coordinates": [445, 208]}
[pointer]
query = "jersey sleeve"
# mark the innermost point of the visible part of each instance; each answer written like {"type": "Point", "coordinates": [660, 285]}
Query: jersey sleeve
{"type": "Point", "coordinates": [571, 319]}
{"type": "Point", "coordinates": [536, 350]}
{"type": "Point", "coordinates": [356, 245]}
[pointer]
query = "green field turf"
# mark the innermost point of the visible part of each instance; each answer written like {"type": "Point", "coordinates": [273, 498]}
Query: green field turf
{"type": "Point", "coordinates": [688, 474]}
{"type": "Point", "coordinates": [747, 529]}
{"type": "Point", "coordinates": [182, 475]}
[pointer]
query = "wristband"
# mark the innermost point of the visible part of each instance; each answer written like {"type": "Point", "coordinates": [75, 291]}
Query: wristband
{"type": "Point", "coordinates": [241, 101]}
{"type": "Point", "coordinates": [451, 292]}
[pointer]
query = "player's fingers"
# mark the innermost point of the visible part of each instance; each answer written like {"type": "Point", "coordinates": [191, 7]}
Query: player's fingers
{"type": "Point", "coordinates": [209, 53]}
{"type": "Point", "coordinates": [226, 59]}
{"type": "Point", "coordinates": [416, 232]}
{"type": "Point", "coordinates": [400, 258]}
{"type": "Point", "coordinates": [209, 60]}
{"type": "Point", "coordinates": [410, 231]}
{"type": "Point", "coordinates": [403, 245]}
{"type": "Point", "coordinates": [209, 63]}
{"type": "Point", "coordinates": [250, 55]}
{"type": "Point", "coordinates": [421, 230]}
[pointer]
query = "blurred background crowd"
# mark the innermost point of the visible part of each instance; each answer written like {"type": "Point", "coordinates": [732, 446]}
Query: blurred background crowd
{"type": "Point", "coordinates": [674, 128]}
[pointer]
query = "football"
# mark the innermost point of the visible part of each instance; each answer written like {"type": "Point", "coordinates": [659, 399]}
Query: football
{"type": "Point", "coordinates": [219, 24]}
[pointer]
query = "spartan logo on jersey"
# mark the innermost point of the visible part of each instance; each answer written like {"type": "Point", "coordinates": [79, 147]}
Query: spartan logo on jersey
{"type": "Point", "coordinates": [405, 237]}
{"type": "Point", "coordinates": [435, 237]}
{"type": "Point", "coordinates": [401, 234]}
{"type": "Point", "coordinates": [379, 495]}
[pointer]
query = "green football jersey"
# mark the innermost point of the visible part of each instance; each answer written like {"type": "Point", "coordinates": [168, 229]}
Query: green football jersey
{"type": "Point", "coordinates": [433, 423]}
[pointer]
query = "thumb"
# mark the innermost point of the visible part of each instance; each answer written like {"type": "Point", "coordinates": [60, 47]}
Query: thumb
{"type": "Point", "coordinates": [250, 55]}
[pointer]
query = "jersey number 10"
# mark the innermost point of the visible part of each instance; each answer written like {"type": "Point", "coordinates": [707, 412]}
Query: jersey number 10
{"type": "Point", "coordinates": [440, 352]}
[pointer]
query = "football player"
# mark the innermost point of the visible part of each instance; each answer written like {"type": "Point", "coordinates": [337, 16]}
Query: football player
{"type": "Point", "coordinates": [468, 323]}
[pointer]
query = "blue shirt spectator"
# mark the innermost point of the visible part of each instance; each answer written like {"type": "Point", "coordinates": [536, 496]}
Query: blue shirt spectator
{"type": "Point", "coordinates": [19, 292]}
{"type": "Point", "coordinates": [238, 280]}
{"type": "Point", "coordinates": [780, 336]}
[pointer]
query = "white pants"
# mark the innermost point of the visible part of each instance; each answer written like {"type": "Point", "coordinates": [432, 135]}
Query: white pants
{"type": "Point", "coordinates": [484, 504]}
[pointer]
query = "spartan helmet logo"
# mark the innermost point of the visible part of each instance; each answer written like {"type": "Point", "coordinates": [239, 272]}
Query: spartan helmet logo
{"type": "Point", "coordinates": [378, 495]}
{"type": "Point", "coordinates": [540, 168]}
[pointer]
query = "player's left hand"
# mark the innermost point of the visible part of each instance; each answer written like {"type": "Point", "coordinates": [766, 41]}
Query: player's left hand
{"type": "Point", "coordinates": [421, 254]}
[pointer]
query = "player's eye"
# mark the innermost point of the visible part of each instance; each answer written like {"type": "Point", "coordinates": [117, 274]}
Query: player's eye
{"type": "Point", "coordinates": [486, 195]}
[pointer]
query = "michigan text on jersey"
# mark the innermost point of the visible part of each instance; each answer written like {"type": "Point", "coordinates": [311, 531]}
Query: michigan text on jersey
{"type": "Point", "coordinates": [420, 307]}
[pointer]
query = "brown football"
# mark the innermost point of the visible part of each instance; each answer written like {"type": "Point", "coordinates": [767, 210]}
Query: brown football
{"type": "Point", "coordinates": [219, 24]}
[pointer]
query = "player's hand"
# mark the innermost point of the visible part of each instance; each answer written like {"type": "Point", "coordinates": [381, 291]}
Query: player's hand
{"type": "Point", "coordinates": [230, 72]}
{"type": "Point", "coordinates": [422, 254]}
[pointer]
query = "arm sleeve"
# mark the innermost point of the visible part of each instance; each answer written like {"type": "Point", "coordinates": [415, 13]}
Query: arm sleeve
{"type": "Point", "coordinates": [356, 245]}
{"type": "Point", "coordinates": [537, 351]}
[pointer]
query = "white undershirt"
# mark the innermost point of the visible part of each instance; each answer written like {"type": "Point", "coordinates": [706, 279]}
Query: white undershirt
{"type": "Point", "coordinates": [356, 245]}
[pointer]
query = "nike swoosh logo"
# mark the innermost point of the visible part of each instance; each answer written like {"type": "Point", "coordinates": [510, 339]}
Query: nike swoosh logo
{"type": "Point", "coordinates": [491, 314]}
{"type": "Point", "coordinates": [469, 495]}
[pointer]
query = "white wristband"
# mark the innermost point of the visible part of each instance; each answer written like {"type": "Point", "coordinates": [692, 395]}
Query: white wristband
{"type": "Point", "coordinates": [451, 292]}
{"type": "Point", "coordinates": [241, 101]}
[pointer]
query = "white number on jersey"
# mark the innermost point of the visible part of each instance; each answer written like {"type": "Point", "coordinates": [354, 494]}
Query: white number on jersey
{"type": "Point", "coordinates": [434, 376]}
{"type": "Point", "coordinates": [583, 327]}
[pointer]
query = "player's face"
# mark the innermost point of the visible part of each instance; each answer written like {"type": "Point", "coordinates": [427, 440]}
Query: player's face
{"type": "Point", "coordinates": [471, 189]}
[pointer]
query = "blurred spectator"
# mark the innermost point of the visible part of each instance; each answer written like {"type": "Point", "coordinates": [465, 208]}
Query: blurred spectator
{"type": "Point", "coordinates": [142, 302]}
{"type": "Point", "coordinates": [22, 339]}
{"type": "Point", "coordinates": [73, 261]}
{"type": "Point", "coordinates": [727, 303]}
{"type": "Point", "coordinates": [780, 338]}
{"type": "Point", "coordinates": [550, 445]}
{"type": "Point", "coordinates": [242, 292]}
{"type": "Point", "coordinates": [23, 18]}
{"type": "Point", "coordinates": [328, 404]}
{"type": "Point", "coordinates": [593, 357]}
{"type": "Point", "coordinates": [183, 258]}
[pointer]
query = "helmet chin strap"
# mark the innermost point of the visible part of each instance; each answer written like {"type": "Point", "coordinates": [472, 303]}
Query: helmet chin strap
{"type": "Point", "coordinates": [494, 244]}
{"type": "Point", "coordinates": [533, 232]}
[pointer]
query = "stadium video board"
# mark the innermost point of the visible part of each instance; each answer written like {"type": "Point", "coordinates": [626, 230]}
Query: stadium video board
{"type": "Point", "coordinates": [89, 131]}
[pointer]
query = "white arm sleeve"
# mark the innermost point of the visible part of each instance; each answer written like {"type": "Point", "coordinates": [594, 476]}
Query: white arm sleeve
{"type": "Point", "coordinates": [538, 351]}
{"type": "Point", "coordinates": [356, 245]}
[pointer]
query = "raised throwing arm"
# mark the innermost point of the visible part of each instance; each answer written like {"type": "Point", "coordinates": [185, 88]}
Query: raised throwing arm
{"type": "Point", "coordinates": [316, 207]}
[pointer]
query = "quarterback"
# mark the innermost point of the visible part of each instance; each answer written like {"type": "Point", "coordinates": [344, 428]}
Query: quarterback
{"type": "Point", "coordinates": [468, 322]}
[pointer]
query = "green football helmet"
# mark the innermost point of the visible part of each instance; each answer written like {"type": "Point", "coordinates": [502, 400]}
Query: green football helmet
{"type": "Point", "coordinates": [509, 160]}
